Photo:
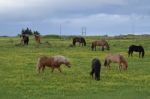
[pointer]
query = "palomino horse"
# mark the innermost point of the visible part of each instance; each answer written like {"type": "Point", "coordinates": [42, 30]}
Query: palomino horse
{"type": "Point", "coordinates": [135, 48]}
{"type": "Point", "coordinates": [96, 68]}
{"type": "Point", "coordinates": [37, 38]}
{"type": "Point", "coordinates": [116, 58]}
{"type": "Point", "coordinates": [80, 40]}
{"type": "Point", "coordinates": [53, 62]}
{"type": "Point", "coordinates": [24, 39]}
{"type": "Point", "coordinates": [102, 43]}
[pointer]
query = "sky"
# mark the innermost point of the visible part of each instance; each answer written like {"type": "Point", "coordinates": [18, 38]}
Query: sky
{"type": "Point", "coordinates": [100, 17]}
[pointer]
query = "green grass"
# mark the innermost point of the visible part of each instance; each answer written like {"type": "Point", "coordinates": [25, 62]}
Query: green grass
{"type": "Point", "coordinates": [19, 79]}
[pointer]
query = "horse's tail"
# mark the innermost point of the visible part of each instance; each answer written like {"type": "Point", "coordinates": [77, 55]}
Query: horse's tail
{"type": "Point", "coordinates": [105, 63]}
{"type": "Point", "coordinates": [143, 53]}
{"type": "Point", "coordinates": [38, 65]}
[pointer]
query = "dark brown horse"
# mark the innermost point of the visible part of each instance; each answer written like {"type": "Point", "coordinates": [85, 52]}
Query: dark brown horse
{"type": "Point", "coordinates": [96, 68]}
{"type": "Point", "coordinates": [24, 39]}
{"type": "Point", "coordinates": [53, 62]}
{"type": "Point", "coordinates": [102, 43]}
{"type": "Point", "coordinates": [136, 48]}
{"type": "Point", "coordinates": [116, 58]}
{"type": "Point", "coordinates": [80, 40]}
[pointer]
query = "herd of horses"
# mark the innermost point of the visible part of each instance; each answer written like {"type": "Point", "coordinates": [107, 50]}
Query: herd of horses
{"type": "Point", "coordinates": [25, 39]}
{"type": "Point", "coordinates": [56, 61]}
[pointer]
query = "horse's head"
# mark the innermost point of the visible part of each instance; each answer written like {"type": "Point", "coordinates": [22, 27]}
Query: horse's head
{"type": "Point", "coordinates": [68, 64]}
{"type": "Point", "coordinates": [74, 41]}
{"type": "Point", "coordinates": [84, 43]}
{"type": "Point", "coordinates": [125, 65]}
{"type": "Point", "coordinates": [92, 46]}
{"type": "Point", "coordinates": [105, 63]}
{"type": "Point", "coordinates": [82, 40]}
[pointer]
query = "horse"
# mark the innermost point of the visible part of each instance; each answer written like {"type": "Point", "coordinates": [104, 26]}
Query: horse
{"type": "Point", "coordinates": [37, 38]}
{"type": "Point", "coordinates": [116, 58]}
{"type": "Point", "coordinates": [135, 48]}
{"type": "Point", "coordinates": [25, 39]}
{"type": "Point", "coordinates": [102, 43]}
{"type": "Point", "coordinates": [52, 62]}
{"type": "Point", "coordinates": [80, 40]}
{"type": "Point", "coordinates": [96, 68]}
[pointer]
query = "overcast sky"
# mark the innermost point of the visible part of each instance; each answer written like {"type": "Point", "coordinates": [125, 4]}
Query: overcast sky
{"type": "Point", "coordinates": [100, 17]}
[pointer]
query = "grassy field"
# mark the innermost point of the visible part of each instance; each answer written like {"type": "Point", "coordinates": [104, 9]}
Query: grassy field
{"type": "Point", "coordinates": [19, 79]}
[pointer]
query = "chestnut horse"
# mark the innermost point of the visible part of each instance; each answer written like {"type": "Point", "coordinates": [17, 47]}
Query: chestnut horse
{"type": "Point", "coordinates": [116, 58]}
{"type": "Point", "coordinates": [102, 43]}
{"type": "Point", "coordinates": [80, 40]}
{"type": "Point", "coordinates": [37, 38]}
{"type": "Point", "coordinates": [53, 62]}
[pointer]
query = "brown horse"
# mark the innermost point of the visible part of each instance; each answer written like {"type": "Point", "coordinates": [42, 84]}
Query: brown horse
{"type": "Point", "coordinates": [37, 38]}
{"type": "Point", "coordinates": [53, 62]}
{"type": "Point", "coordinates": [80, 40]}
{"type": "Point", "coordinates": [116, 58]}
{"type": "Point", "coordinates": [102, 43]}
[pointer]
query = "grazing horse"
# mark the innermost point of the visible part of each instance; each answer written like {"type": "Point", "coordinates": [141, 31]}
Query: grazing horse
{"type": "Point", "coordinates": [37, 38]}
{"type": "Point", "coordinates": [135, 48]}
{"type": "Point", "coordinates": [116, 58]}
{"type": "Point", "coordinates": [96, 68]}
{"type": "Point", "coordinates": [53, 62]}
{"type": "Point", "coordinates": [80, 40]}
{"type": "Point", "coordinates": [25, 39]}
{"type": "Point", "coordinates": [102, 43]}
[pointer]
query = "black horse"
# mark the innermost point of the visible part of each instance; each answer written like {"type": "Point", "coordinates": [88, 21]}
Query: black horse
{"type": "Point", "coordinates": [135, 48]}
{"type": "Point", "coordinates": [96, 68]}
{"type": "Point", "coordinates": [80, 40]}
{"type": "Point", "coordinates": [25, 39]}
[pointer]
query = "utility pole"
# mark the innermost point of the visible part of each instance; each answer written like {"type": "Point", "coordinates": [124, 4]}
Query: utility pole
{"type": "Point", "coordinates": [83, 31]}
{"type": "Point", "coordinates": [60, 31]}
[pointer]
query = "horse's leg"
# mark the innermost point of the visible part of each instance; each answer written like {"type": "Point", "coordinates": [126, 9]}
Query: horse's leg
{"type": "Point", "coordinates": [109, 62]}
{"type": "Point", "coordinates": [131, 53]}
{"type": "Point", "coordinates": [139, 54]}
{"type": "Point", "coordinates": [102, 48]}
{"type": "Point", "coordinates": [120, 66]}
{"type": "Point", "coordinates": [59, 69]}
{"type": "Point", "coordinates": [92, 72]}
{"type": "Point", "coordinates": [39, 68]}
{"type": "Point", "coordinates": [109, 65]}
{"type": "Point", "coordinates": [53, 69]}
{"type": "Point", "coordinates": [43, 68]}
{"type": "Point", "coordinates": [128, 53]}
{"type": "Point", "coordinates": [97, 75]}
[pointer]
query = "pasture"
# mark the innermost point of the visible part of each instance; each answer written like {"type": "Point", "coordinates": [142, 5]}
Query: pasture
{"type": "Point", "coordinates": [19, 79]}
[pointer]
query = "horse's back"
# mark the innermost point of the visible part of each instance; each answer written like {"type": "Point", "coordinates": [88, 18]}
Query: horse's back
{"type": "Point", "coordinates": [113, 57]}
{"type": "Point", "coordinates": [59, 58]}
{"type": "Point", "coordinates": [45, 60]}
{"type": "Point", "coordinates": [96, 63]}
{"type": "Point", "coordinates": [136, 48]}
{"type": "Point", "coordinates": [100, 42]}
